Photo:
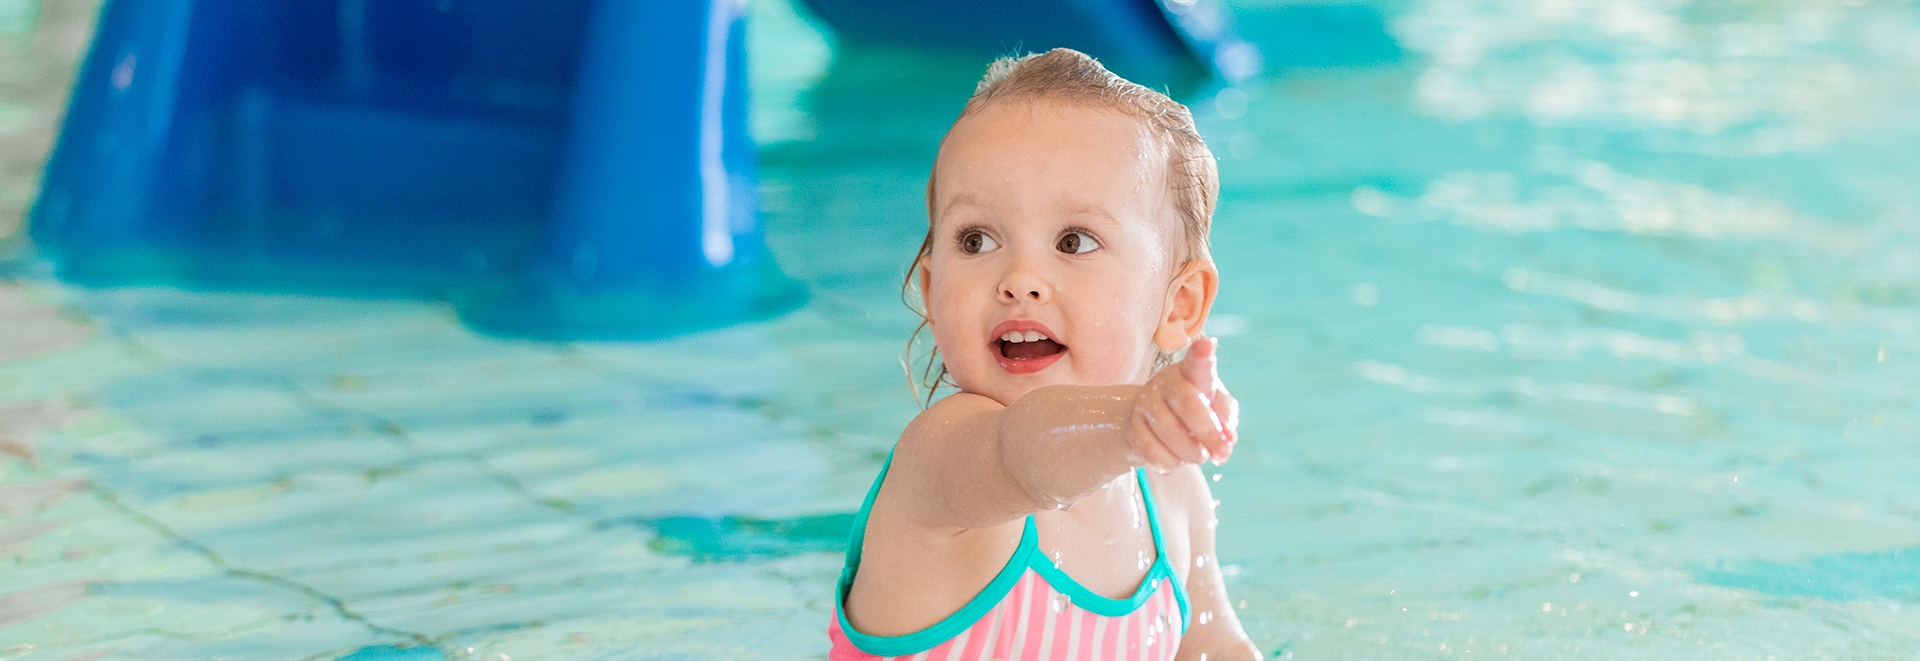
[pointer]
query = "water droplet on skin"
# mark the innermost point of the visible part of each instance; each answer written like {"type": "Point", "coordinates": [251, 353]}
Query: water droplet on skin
{"type": "Point", "coordinates": [1200, 560]}
{"type": "Point", "coordinates": [1206, 616]}
{"type": "Point", "coordinates": [1143, 559]}
{"type": "Point", "coordinates": [1213, 523]}
{"type": "Point", "coordinates": [1056, 557]}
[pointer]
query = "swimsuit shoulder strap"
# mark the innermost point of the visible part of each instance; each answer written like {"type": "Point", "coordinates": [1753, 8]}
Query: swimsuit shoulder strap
{"type": "Point", "coordinates": [1153, 511]}
{"type": "Point", "coordinates": [859, 533]}
{"type": "Point", "coordinates": [930, 637]}
{"type": "Point", "coordinates": [1160, 545]}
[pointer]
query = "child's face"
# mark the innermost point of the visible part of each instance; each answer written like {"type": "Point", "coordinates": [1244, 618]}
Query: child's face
{"type": "Point", "coordinates": [1051, 219]}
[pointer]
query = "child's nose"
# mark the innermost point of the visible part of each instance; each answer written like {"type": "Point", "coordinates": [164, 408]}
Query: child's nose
{"type": "Point", "coordinates": [1024, 285]}
{"type": "Point", "coordinates": [1011, 295]}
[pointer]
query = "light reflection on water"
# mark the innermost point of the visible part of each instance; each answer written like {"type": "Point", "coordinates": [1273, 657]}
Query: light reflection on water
{"type": "Point", "coordinates": [1584, 329]}
{"type": "Point", "coordinates": [1788, 76]}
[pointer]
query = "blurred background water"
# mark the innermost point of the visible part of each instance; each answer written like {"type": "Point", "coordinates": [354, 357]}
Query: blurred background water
{"type": "Point", "coordinates": [1565, 329]}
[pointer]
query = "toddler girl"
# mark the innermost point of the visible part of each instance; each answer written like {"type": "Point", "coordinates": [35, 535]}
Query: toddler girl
{"type": "Point", "coordinates": [1065, 261]}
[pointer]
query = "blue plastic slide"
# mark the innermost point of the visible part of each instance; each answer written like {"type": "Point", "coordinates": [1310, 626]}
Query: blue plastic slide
{"type": "Point", "coordinates": [1154, 42]}
{"type": "Point", "coordinates": [563, 169]}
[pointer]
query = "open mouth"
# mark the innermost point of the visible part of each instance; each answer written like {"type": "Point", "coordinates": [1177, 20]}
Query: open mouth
{"type": "Point", "coordinates": [1022, 352]}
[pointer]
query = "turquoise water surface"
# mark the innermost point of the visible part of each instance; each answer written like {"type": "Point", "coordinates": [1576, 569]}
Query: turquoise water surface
{"type": "Point", "coordinates": [1569, 329]}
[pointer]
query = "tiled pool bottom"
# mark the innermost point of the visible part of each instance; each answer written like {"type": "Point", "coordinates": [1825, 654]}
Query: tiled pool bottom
{"type": "Point", "coordinates": [252, 477]}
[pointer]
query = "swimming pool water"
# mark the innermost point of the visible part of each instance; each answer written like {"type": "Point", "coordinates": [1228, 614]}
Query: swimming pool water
{"type": "Point", "coordinates": [1569, 329]}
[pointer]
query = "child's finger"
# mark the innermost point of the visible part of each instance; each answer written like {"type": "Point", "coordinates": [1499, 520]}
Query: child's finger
{"type": "Point", "coordinates": [1205, 428]}
{"type": "Point", "coordinates": [1227, 410]}
{"type": "Point", "coordinates": [1171, 431]}
{"type": "Point", "coordinates": [1199, 365]}
{"type": "Point", "coordinates": [1147, 441]}
{"type": "Point", "coordinates": [1229, 421]}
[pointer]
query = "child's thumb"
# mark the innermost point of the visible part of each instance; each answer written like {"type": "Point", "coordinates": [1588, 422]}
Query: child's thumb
{"type": "Point", "coordinates": [1198, 366]}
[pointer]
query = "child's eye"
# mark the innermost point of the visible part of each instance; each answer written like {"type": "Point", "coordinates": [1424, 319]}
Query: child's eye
{"type": "Point", "coordinates": [974, 242]}
{"type": "Point", "coordinates": [1076, 242]}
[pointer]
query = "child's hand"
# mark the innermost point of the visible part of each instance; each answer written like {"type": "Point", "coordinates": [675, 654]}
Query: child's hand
{"type": "Point", "coordinates": [1184, 414]}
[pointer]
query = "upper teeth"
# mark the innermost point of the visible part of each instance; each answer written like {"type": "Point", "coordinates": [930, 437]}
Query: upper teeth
{"type": "Point", "coordinates": [1017, 336]}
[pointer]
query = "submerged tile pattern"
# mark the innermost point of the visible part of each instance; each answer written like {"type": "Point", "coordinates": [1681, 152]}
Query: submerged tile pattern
{"type": "Point", "coordinates": [328, 474]}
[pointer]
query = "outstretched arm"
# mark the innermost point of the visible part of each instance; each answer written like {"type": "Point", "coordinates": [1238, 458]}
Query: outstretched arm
{"type": "Point", "coordinates": [975, 464]}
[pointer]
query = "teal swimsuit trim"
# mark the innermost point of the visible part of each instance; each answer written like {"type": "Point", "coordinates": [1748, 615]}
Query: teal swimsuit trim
{"type": "Point", "coordinates": [1026, 556]}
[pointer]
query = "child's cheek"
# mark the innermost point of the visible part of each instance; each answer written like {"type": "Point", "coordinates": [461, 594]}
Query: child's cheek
{"type": "Point", "coordinates": [1110, 349]}
{"type": "Point", "coordinates": [956, 321]}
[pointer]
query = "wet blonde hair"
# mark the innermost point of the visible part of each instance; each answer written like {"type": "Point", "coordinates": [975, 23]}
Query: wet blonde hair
{"type": "Point", "coordinates": [1068, 76]}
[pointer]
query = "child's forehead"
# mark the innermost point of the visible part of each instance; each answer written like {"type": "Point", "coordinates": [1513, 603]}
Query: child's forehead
{"type": "Point", "coordinates": [1092, 165]}
{"type": "Point", "coordinates": [1015, 123]}
{"type": "Point", "coordinates": [1053, 139]}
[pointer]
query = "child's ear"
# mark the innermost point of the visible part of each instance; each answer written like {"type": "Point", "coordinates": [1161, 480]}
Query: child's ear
{"type": "Point", "coordinates": [1189, 301]}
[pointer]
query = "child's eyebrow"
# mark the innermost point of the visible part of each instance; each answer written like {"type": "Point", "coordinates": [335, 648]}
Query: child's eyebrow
{"type": "Point", "coordinates": [961, 200]}
{"type": "Point", "coordinates": [1094, 211]}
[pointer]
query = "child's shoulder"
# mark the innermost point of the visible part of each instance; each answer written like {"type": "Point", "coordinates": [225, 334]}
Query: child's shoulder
{"type": "Point", "coordinates": [934, 425]}
{"type": "Point", "coordinates": [1185, 500]}
{"type": "Point", "coordinates": [1182, 492]}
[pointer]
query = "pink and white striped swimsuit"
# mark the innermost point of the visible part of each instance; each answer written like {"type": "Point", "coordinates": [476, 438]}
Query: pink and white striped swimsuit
{"type": "Point", "coordinates": [1031, 611]}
